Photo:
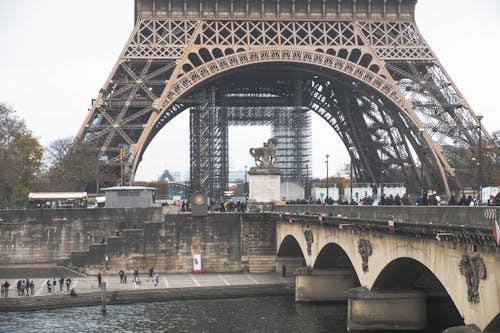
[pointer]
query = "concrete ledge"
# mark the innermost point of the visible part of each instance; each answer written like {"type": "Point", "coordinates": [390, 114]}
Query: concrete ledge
{"type": "Point", "coordinates": [462, 329]}
{"type": "Point", "coordinates": [138, 296]}
{"type": "Point", "coordinates": [324, 285]}
{"type": "Point", "coordinates": [385, 311]}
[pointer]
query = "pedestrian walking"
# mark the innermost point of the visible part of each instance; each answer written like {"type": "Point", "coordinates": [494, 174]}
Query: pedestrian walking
{"type": "Point", "coordinates": [49, 287]}
{"type": "Point", "coordinates": [68, 283]}
{"type": "Point", "coordinates": [125, 277]}
{"type": "Point", "coordinates": [23, 287]}
{"type": "Point", "coordinates": [32, 287]}
{"type": "Point", "coordinates": [6, 285]}
{"type": "Point", "coordinates": [121, 273]}
{"type": "Point", "coordinates": [136, 275]}
{"type": "Point", "coordinates": [61, 284]}
{"type": "Point", "coordinates": [157, 279]}
{"type": "Point", "coordinates": [28, 284]}
{"type": "Point", "coordinates": [99, 279]}
{"type": "Point", "coordinates": [151, 270]}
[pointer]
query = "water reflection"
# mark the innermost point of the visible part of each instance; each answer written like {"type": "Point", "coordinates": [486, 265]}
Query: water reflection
{"type": "Point", "coordinates": [251, 314]}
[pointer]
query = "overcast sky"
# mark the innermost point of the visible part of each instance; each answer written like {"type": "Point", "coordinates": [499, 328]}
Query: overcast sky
{"type": "Point", "coordinates": [55, 55]}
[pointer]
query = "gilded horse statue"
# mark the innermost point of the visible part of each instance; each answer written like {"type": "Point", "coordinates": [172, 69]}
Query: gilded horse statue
{"type": "Point", "coordinates": [266, 155]}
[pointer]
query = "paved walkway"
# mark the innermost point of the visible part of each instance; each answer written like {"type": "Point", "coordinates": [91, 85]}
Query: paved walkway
{"type": "Point", "coordinates": [166, 281]}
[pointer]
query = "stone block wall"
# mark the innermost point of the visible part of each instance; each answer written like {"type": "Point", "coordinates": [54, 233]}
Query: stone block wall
{"type": "Point", "coordinates": [46, 235]}
{"type": "Point", "coordinates": [139, 238]}
{"type": "Point", "coordinates": [258, 234]}
{"type": "Point", "coordinates": [258, 243]}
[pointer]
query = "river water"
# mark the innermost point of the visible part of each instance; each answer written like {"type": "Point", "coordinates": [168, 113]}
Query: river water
{"type": "Point", "coordinates": [250, 314]}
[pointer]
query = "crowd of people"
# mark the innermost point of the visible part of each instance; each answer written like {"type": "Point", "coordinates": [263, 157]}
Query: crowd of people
{"type": "Point", "coordinates": [52, 285]}
{"type": "Point", "coordinates": [153, 275]}
{"type": "Point", "coordinates": [428, 198]}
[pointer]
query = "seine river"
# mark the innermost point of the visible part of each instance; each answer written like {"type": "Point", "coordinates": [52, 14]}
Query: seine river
{"type": "Point", "coordinates": [251, 314]}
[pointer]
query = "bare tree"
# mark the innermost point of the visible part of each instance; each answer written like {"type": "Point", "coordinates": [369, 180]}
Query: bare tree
{"type": "Point", "coordinates": [57, 151]}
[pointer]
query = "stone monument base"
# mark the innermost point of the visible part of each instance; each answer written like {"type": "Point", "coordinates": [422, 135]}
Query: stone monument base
{"type": "Point", "coordinates": [264, 189]}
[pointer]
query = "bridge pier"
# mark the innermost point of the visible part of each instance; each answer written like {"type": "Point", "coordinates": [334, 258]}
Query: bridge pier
{"type": "Point", "coordinates": [291, 264]}
{"type": "Point", "coordinates": [323, 285]}
{"type": "Point", "coordinates": [395, 310]}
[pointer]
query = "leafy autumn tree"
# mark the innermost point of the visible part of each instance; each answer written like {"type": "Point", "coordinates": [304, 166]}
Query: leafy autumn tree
{"type": "Point", "coordinates": [20, 159]}
{"type": "Point", "coordinates": [491, 163]}
{"type": "Point", "coordinates": [26, 153]}
{"type": "Point", "coordinates": [10, 126]}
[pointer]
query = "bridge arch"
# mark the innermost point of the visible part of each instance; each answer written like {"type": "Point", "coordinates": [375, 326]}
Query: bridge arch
{"type": "Point", "coordinates": [332, 256]}
{"type": "Point", "coordinates": [290, 247]}
{"type": "Point", "coordinates": [290, 254]}
{"type": "Point", "coordinates": [406, 273]}
{"type": "Point", "coordinates": [197, 73]}
{"type": "Point", "coordinates": [400, 262]}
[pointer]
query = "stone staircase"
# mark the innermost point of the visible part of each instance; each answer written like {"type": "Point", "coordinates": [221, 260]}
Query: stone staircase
{"type": "Point", "coordinates": [261, 264]}
{"type": "Point", "coordinates": [35, 272]}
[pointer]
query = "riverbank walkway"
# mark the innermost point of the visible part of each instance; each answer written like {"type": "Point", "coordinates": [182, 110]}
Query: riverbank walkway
{"type": "Point", "coordinates": [176, 286]}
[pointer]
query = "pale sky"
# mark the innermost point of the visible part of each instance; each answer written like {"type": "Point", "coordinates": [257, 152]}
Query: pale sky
{"type": "Point", "coordinates": [55, 55]}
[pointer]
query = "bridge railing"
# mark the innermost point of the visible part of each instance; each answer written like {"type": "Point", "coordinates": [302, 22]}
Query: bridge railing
{"type": "Point", "coordinates": [438, 215]}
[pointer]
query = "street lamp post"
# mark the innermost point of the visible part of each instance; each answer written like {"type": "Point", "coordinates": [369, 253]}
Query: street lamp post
{"type": "Point", "coordinates": [306, 184]}
{"type": "Point", "coordinates": [422, 187]}
{"type": "Point", "coordinates": [327, 156]}
{"type": "Point", "coordinates": [480, 160]}
{"type": "Point", "coordinates": [351, 149]}
{"type": "Point", "coordinates": [245, 184]}
{"type": "Point", "coordinates": [473, 177]}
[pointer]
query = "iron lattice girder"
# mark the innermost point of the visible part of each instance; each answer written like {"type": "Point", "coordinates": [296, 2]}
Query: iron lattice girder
{"type": "Point", "coordinates": [374, 129]}
{"type": "Point", "coordinates": [214, 110]}
{"type": "Point", "coordinates": [175, 50]}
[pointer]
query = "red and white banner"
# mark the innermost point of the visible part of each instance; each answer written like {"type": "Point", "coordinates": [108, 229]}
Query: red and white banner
{"type": "Point", "coordinates": [496, 233]}
{"type": "Point", "coordinates": [197, 263]}
{"type": "Point", "coordinates": [490, 213]}
{"type": "Point", "coordinates": [390, 222]}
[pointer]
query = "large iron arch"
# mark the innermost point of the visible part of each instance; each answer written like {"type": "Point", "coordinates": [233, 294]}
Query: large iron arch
{"type": "Point", "coordinates": [174, 47]}
{"type": "Point", "coordinates": [166, 105]}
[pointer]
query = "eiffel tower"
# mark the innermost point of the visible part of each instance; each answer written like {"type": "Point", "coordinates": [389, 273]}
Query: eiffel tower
{"type": "Point", "coordinates": [362, 65]}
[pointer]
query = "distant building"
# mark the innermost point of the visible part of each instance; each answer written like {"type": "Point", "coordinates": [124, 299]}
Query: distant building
{"type": "Point", "coordinates": [166, 175]}
{"type": "Point", "coordinates": [129, 196]}
{"type": "Point", "coordinates": [177, 176]}
{"type": "Point", "coordinates": [291, 191]}
{"type": "Point", "coordinates": [177, 191]}
{"type": "Point", "coordinates": [319, 193]}
{"type": "Point", "coordinates": [236, 175]}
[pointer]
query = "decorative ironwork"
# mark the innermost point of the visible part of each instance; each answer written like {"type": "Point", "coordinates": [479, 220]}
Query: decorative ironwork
{"type": "Point", "coordinates": [375, 81]}
{"type": "Point", "coordinates": [474, 270]}
{"type": "Point", "coordinates": [365, 250]}
{"type": "Point", "coordinates": [309, 240]}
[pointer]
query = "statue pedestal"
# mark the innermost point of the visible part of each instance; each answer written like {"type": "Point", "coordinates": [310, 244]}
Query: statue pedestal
{"type": "Point", "coordinates": [264, 189]}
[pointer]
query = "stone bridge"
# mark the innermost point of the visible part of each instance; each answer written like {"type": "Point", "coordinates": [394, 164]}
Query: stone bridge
{"type": "Point", "coordinates": [439, 264]}
{"type": "Point", "coordinates": [436, 260]}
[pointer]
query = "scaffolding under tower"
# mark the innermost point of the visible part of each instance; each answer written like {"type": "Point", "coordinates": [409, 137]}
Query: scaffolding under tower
{"type": "Point", "coordinates": [237, 103]}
